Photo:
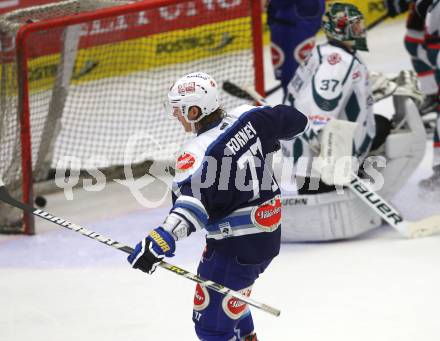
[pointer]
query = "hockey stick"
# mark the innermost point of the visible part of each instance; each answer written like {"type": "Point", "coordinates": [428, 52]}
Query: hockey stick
{"type": "Point", "coordinates": [243, 92]}
{"type": "Point", "coordinates": [6, 197]}
{"type": "Point", "coordinates": [273, 89]}
{"type": "Point", "coordinates": [411, 229]}
{"type": "Point", "coordinates": [369, 27]}
{"type": "Point", "coordinates": [386, 211]}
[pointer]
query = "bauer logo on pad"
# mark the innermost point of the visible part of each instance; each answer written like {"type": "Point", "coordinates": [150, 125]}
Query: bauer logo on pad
{"type": "Point", "coordinates": [185, 161]}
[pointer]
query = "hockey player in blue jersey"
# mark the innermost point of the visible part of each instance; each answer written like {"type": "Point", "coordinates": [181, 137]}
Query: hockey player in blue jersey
{"type": "Point", "coordinates": [223, 184]}
{"type": "Point", "coordinates": [293, 25]}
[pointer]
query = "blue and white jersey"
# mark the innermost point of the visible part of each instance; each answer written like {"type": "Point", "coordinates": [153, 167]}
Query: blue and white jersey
{"type": "Point", "coordinates": [224, 183]}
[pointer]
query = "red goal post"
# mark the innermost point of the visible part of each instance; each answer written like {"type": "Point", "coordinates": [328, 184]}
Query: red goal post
{"type": "Point", "coordinates": [80, 78]}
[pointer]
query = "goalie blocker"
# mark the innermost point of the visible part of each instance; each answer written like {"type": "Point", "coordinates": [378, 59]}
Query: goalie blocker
{"type": "Point", "coordinates": [342, 215]}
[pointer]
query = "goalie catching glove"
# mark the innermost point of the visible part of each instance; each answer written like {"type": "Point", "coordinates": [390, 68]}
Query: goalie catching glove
{"type": "Point", "coordinates": [381, 86]}
{"type": "Point", "coordinates": [149, 253]}
{"type": "Point", "coordinates": [403, 84]}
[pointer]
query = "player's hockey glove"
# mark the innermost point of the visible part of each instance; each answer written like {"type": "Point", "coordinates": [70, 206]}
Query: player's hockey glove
{"type": "Point", "coordinates": [150, 252]}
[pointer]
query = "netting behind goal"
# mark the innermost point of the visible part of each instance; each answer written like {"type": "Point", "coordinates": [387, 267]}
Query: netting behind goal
{"type": "Point", "coordinates": [84, 87]}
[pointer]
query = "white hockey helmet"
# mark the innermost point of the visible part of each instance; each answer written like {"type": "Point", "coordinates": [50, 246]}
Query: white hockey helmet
{"type": "Point", "coordinates": [195, 89]}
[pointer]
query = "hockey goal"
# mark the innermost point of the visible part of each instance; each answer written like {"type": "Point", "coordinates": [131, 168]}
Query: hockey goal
{"type": "Point", "coordinates": [80, 79]}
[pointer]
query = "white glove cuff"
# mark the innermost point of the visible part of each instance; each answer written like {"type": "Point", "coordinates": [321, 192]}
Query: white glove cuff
{"type": "Point", "coordinates": [176, 226]}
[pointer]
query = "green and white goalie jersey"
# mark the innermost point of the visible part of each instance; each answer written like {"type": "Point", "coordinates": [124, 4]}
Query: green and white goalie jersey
{"type": "Point", "coordinates": [333, 83]}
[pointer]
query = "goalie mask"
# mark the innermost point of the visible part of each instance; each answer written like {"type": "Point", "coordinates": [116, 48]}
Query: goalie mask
{"type": "Point", "coordinates": [345, 23]}
{"type": "Point", "coordinates": [195, 89]}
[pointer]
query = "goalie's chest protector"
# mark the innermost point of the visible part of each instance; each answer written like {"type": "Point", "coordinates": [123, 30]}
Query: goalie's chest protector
{"type": "Point", "coordinates": [223, 169]}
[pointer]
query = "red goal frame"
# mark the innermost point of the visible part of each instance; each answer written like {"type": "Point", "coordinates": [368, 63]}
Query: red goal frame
{"type": "Point", "coordinates": [23, 74]}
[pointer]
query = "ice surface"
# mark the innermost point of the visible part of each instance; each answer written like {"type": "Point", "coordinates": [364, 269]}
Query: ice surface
{"type": "Point", "coordinates": [59, 285]}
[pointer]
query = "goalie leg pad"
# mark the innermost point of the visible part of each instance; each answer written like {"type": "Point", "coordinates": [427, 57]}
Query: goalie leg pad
{"type": "Point", "coordinates": [404, 149]}
{"type": "Point", "coordinates": [336, 152]}
{"type": "Point", "coordinates": [332, 216]}
{"type": "Point", "coordinates": [326, 217]}
{"type": "Point", "coordinates": [219, 317]}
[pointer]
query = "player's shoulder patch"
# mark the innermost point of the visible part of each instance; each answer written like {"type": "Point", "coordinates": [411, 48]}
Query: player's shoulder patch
{"type": "Point", "coordinates": [188, 160]}
{"type": "Point", "coordinates": [185, 161]}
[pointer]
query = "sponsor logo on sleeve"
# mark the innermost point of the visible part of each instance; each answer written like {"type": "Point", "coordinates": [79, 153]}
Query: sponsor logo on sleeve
{"type": "Point", "coordinates": [233, 307]}
{"type": "Point", "coordinates": [319, 120]}
{"type": "Point", "coordinates": [267, 216]}
{"type": "Point", "coordinates": [356, 75]}
{"type": "Point", "coordinates": [201, 298]}
{"type": "Point", "coordinates": [334, 58]}
{"type": "Point", "coordinates": [185, 162]}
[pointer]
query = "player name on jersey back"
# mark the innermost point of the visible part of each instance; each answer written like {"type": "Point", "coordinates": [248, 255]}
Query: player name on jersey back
{"type": "Point", "coordinates": [240, 139]}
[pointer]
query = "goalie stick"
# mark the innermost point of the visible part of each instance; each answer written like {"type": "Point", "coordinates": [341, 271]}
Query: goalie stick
{"type": "Point", "coordinates": [410, 229]}
{"type": "Point", "coordinates": [6, 197]}
{"type": "Point", "coordinates": [243, 92]}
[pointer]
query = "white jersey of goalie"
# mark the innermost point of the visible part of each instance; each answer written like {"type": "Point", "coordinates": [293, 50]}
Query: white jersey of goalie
{"type": "Point", "coordinates": [333, 83]}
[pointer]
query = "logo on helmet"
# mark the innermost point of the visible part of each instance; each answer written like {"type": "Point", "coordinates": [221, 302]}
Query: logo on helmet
{"type": "Point", "coordinates": [342, 21]}
{"type": "Point", "coordinates": [186, 88]}
{"type": "Point", "coordinates": [203, 76]}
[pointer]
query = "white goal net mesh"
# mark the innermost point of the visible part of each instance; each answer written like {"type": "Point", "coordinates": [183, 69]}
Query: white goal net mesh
{"type": "Point", "coordinates": [96, 86]}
